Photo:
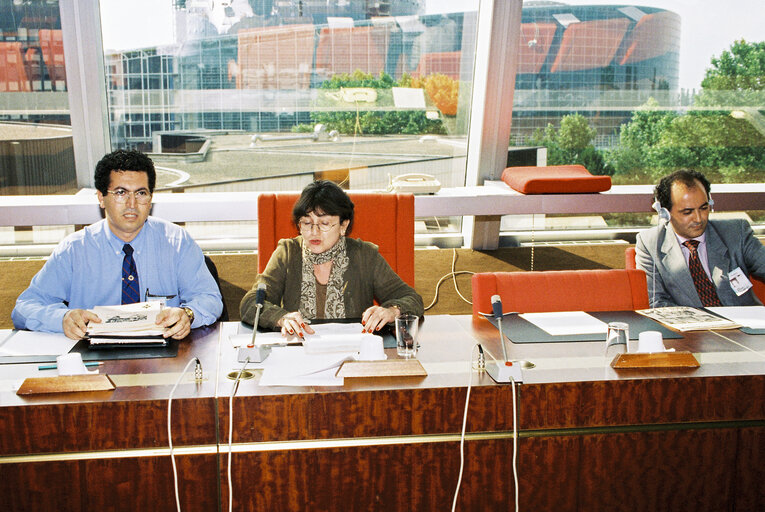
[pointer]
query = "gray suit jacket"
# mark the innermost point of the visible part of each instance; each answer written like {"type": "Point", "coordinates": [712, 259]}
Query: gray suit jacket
{"type": "Point", "coordinates": [730, 244]}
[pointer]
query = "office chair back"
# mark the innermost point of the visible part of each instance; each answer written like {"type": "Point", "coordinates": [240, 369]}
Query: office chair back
{"type": "Point", "coordinates": [386, 220]}
{"type": "Point", "coordinates": [567, 290]}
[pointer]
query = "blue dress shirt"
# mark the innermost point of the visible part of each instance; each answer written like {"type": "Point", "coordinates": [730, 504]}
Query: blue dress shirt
{"type": "Point", "coordinates": [85, 271]}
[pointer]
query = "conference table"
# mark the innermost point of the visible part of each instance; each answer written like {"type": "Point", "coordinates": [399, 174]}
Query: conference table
{"type": "Point", "coordinates": [589, 437]}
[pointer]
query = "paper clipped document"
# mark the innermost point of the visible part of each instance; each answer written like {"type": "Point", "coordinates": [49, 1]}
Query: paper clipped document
{"type": "Point", "coordinates": [291, 366]}
{"type": "Point", "coordinates": [566, 323]}
{"type": "Point", "coordinates": [747, 316]}
{"type": "Point", "coordinates": [684, 318]}
{"type": "Point", "coordinates": [30, 343]}
{"type": "Point", "coordinates": [329, 337]}
{"type": "Point", "coordinates": [127, 320]}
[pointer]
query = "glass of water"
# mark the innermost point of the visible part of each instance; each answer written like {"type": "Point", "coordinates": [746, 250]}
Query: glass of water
{"type": "Point", "coordinates": [406, 335]}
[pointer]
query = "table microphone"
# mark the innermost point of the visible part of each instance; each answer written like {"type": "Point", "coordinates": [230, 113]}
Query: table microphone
{"type": "Point", "coordinates": [496, 306]}
{"type": "Point", "coordinates": [260, 297]}
{"type": "Point", "coordinates": [252, 353]}
{"type": "Point", "coordinates": [502, 371]}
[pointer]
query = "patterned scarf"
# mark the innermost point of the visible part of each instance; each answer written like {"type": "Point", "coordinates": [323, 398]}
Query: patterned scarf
{"type": "Point", "coordinates": [334, 306]}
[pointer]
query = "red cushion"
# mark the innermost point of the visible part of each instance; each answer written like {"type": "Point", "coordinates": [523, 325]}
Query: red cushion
{"type": "Point", "coordinates": [555, 179]}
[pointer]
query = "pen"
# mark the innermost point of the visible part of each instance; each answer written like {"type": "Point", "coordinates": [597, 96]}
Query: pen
{"type": "Point", "coordinates": [54, 366]}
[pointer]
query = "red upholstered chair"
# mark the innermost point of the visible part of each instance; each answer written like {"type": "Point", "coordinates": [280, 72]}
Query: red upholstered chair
{"type": "Point", "coordinates": [758, 287]}
{"type": "Point", "coordinates": [386, 220]}
{"type": "Point", "coordinates": [566, 290]}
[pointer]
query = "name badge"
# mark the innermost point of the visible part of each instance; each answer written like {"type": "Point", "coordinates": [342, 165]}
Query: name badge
{"type": "Point", "coordinates": [738, 281]}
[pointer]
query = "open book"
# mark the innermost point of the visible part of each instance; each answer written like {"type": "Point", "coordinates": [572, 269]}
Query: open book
{"type": "Point", "coordinates": [126, 324]}
{"type": "Point", "coordinates": [683, 318]}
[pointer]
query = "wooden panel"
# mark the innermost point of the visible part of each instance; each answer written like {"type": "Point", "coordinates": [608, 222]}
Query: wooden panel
{"type": "Point", "coordinates": [674, 471]}
{"type": "Point", "coordinates": [111, 484]}
{"type": "Point", "coordinates": [749, 482]}
{"type": "Point", "coordinates": [634, 402]}
{"type": "Point", "coordinates": [108, 425]}
{"type": "Point", "coordinates": [367, 413]}
{"type": "Point", "coordinates": [401, 477]}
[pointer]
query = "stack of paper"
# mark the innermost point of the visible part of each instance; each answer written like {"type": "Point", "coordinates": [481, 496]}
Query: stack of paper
{"type": "Point", "coordinates": [126, 324]}
{"type": "Point", "coordinates": [684, 318]}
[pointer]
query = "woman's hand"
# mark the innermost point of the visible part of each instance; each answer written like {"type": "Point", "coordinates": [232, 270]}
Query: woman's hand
{"type": "Point", "coordinates": [377, 317]}
{"type": "Point", "coordinates": [293, 324]}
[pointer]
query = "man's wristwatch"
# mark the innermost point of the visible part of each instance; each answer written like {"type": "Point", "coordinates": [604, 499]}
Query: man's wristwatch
{"type": "Point", "coordinates": [189, 313]}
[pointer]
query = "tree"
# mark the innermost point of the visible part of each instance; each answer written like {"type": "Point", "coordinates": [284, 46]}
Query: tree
{"type": "Point", "coordinates": [571, 144]}
{"type": "Point", "coordinates": [736, 78]}
{"type": "Point", "coordinates": [575, 133]}
{"type": "Point", "coordinates": [740, 69]}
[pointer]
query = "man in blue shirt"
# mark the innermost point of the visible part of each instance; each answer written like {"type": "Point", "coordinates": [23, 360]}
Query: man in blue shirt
{"type": "Point", "coordinates": [86, 269]}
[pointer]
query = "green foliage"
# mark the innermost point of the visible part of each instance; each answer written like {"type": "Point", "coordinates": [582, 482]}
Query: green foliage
{"type": "Point", "coordinates": [742, 68]}
{"type": "Point", "coordinates": [359, 79]}
{"type": "Point", "coordinates": [575, 133]}
{"type": "Point", "coordinates": [410, 122]}
{"type": "Point", "coordinates": [571, 145]}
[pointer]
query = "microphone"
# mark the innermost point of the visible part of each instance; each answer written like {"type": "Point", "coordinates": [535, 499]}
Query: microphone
{"type": "Point", "coordinates": [251, 353]}
{"type": "Point", "coordinates": [260, 297]}
{"type": "Point", "coordinates": [496, 307]}
{"type": "Point", "coordinates": [502, 371]}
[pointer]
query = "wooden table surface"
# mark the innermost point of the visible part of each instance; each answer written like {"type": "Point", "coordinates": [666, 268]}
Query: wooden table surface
{"type": "Point", "coordinates": [590, 437]}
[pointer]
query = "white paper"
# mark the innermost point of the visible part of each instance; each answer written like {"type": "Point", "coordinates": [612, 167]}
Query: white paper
{"type": "Point", "coordinates": [138, 319]}
{"type": "Point", "coordinates": [31, 343]}
{"type": "Point", "coordinates": [566, 323]}
{"type": "Point", "coordinates": [291, 366]}
{"type": "Point", "coordinates": [71, 364]}
{"type": "Point", "coordinates": [748, 316]}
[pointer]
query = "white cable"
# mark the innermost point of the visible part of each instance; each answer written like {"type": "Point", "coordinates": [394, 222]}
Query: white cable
{"type": "Point", "coordinates": [438, 284]}
{"type": "Point", "coordinates": [231, 431]}
{"type": "Point", "coordinates": [170, 433]}
{"type": "Point", "coordinates": [464, 424]}
{"type": "Point", "coordinates": [454, 276]}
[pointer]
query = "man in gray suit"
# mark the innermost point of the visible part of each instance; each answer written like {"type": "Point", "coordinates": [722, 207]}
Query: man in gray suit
{"type": "Point", "coordinates": [692, 261]}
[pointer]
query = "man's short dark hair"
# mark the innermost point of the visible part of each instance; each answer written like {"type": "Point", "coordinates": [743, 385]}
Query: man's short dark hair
{"type": "Point", "coordinates": [688, 177]}
{"type": "Point", "coordinates": [324, 197]}
{"type": "Point", "coordinates": [123, 160]}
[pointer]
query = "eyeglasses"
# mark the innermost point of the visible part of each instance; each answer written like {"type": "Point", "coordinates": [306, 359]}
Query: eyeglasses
{"type": "Point", "coordinates": [324, 226]}
{"type": "Point", "coordinates": [121, 195]}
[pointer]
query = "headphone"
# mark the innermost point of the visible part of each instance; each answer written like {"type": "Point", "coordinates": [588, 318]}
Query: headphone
{"type": "Point", "coordinates": [664, 213]}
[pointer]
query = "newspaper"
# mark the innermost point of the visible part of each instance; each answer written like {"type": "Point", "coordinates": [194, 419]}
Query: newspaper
{"type": "Point", "coordinates": [125, 321]}
{"type": "Point", "coordinates": [683, 319]}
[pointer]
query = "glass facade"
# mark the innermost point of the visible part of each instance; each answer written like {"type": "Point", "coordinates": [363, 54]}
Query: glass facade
{"type": "Point", "coordinates": [36, 155]}
{"type": "Point", "coordinates": [268, 95]}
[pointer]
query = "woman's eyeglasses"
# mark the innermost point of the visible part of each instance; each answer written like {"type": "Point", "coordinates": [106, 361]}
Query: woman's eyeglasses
{"type": "Point", "coordinates": [324, 226]}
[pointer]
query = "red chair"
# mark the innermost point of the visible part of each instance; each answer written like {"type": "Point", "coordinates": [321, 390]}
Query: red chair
{"type": "Point", "coordinates": [566, 290]}
{"type": "Point", "coordinates": [758, 286]}
{"type": "Point", "coordinates": [386, 220]}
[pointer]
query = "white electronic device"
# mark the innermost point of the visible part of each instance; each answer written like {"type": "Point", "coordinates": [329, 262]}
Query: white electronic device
{"type": "Point", "coordinates": [414, 183]}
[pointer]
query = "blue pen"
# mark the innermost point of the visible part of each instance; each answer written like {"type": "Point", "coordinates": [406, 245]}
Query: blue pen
{"type": "Point", "coordinates": [54, 366]}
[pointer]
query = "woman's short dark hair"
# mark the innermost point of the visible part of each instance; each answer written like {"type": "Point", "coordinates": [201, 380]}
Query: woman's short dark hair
{"type": "Point", "coordinates": [123, 160]}
{"type": "Point", "coordinates": [324, 197]}
{"type": "Point", "coordinates": [688, 177]}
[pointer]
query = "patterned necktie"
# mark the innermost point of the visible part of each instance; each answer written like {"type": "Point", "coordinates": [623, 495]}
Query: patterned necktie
{"type": "Point", "coordinates": [704, 287]}
{"type": "Point", "coordinates": [130, 293]}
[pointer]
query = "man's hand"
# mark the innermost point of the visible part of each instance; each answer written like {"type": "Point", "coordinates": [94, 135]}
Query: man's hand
{"type": "Point", "coordinates": [176, 322]}
{"type": "Point", "coordinates": [75, 323]}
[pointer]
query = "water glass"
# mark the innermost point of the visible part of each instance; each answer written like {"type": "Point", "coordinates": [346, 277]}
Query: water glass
{"type": "Point", "coordinates": [406, 335]}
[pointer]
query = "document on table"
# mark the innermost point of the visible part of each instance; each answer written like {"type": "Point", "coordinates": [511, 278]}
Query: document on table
{"type": "Point", "coordinates": [291, 366]}
{"type": "Point", "coordinates": [747, 316]}
{"type": "Point", "coordinates": [31, 343]}
{"type": "Point", "coordinates": [566, 323]}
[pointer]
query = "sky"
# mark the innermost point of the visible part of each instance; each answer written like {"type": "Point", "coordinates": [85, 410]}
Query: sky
{"type": "Point", "coordinates": [707, 26]}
